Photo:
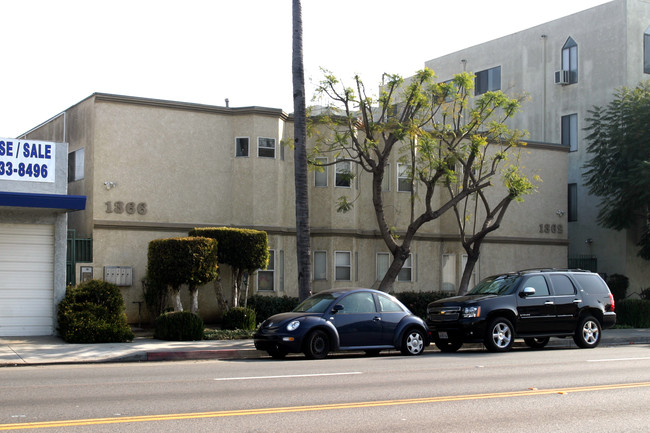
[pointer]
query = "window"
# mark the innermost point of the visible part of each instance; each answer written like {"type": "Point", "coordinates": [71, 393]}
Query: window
{"type": "Point", "coordinates": [358, 303]}
{"type": "Point", "coordinates": [487, 80]}
{"type": "Point", "coordinates": [538, 283]}
{"type": "Point", "coordinates": [449, 272]}
{"type": "Point", "coordinates": [342, 260]}
{"type": "Point", "coordinates": [570, 59]}
{"type": "Point", "coordinates": [404, 178]}
{"type": "Point", "coordinates": [265, 278]}
{"type": "Point", "coordinates": [385, 182]}
{"type": "Point", "coordinates": [320, 265]}
{"type": "Point", "coordinates": [241, 146]}
{"type": "Point", "coordinates": [406, 273]}
{"type": "Point", "coordinates": [389, 305]}
{"type": "Point", "coordinates": [570, 131]}
{"type": "Point", "coordinates": [76, 165]}
{"type": "Point", "coordinates": [266, 147]}
{"type": "Point", "coordinates": [383, 262]}
{"type": "Point", "coordinates": [573, 202]}
{"type": "Point", "coordinates": [343, 174]}
{"type": "Point", "coordinates": [646, 51]}
{"type": "Point", "coordinates": [562, 285]}
{"type": "Point", "coordinates": [320, 174]}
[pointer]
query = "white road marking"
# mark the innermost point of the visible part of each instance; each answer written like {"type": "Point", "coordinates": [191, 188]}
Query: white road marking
{"type": "Point", "coordinates": [618, 359]}
{"type": "Point", "coordinates": [290, 376]}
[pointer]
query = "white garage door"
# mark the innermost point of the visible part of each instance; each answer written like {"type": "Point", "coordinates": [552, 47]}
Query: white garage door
{"type": "Point", "coordinates": [26, 279]}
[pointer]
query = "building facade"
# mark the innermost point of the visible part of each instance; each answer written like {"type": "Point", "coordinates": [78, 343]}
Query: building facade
{"type": "Point", "coordinates": [567, 67]}
{"type": "Point", "coordinates": [156, 169]}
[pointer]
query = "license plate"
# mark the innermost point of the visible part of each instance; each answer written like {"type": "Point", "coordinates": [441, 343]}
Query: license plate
{"type": "Point", "coordinates": [443, 335]}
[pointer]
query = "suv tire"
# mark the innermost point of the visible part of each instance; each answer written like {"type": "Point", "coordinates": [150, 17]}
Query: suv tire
{"type": "Point", "coordinates": [536, 342]}
{"type": "Point", "coordinates": [499, 336]}
{"type": "Point", "coordinates": [448, 346]}
{"type": "Point", "coordinates": [587, 333]}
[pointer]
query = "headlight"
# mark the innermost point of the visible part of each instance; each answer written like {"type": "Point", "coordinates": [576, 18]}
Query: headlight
{"type": "Point", "coordinates": [292, 326]}
{"type": "Point", "coordinates": [474, 311]}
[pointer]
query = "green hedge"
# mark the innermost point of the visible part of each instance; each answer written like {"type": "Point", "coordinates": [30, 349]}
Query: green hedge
{"type": "Point", "coordinates": [240, 248]}
{"type": "Point", "coordinates": [633, 312]}
{"type": "Point", "coordinates": [417, 301]}
{"type": "Point", "coordinates": [93, 312]}
{"type": "Point", "coordinates": [177, 261]}
{"type": "Point", "coordinates": [179, 326]}
{"type": "Point", "coordinates": [239, 318]}
{"type": "Point", "coordinates": [267, 306]}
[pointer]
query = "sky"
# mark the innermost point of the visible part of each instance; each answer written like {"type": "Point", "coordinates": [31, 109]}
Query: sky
{"type": "Point", "coordinates": [57, 53]}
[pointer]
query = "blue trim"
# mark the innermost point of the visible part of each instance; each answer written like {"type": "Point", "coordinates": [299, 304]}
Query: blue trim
{"type": "Point", "coordinates": [49, 201]}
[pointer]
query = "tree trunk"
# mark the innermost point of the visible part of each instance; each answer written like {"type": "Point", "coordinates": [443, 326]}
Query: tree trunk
{"type": "Point", "coordinates": [194, 296]}
{"type": "Point", "coordinates": [399, 258]}
{"type": "Point", "coordinates": [176, 298]}
{"type": "Point", "coordinates": [218, 293]}
{"type": "Point", "coordinates": [300, 158]}
{"type": "Point", "coordinates": [472, 259]}
{"type": "Point", "coordinates": [235, 289]}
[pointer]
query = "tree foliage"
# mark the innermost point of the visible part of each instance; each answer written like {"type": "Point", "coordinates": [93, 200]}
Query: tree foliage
{"type": "Point", "coordinates": [619, 169]}
{"type": "Point", "coordinates": [442, 134]}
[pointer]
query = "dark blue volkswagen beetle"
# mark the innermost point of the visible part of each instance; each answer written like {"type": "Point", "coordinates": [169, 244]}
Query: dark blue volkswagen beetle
{"type": "Point", "coordinates": [343, 319]}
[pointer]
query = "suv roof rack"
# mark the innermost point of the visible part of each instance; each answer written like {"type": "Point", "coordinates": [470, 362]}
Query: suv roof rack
{"type": "Point", "coordinates": [554, 270]}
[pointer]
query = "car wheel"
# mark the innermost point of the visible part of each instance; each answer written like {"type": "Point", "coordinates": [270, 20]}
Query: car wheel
{"type": "Point", "coordinates": [277, 353]}
{"type": "Point", "coordinates": [499, 335]}
{"type": "Point", "coordinates": [413, 342]}
{"type": "Point", "coordinates": [317, 345]}
{"type": "Point", "coordinates": [536, 342]}
{"type": "Point", "coordinates": [448, 346]}
{"type": "Point", "coordinates": [587, 333]}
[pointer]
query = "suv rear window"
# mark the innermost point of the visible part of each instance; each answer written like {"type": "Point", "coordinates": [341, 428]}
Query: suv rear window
{"type": "Point", "coordinates": [592, 284]}
{"type": "Point", "coordinates": [562, 285]}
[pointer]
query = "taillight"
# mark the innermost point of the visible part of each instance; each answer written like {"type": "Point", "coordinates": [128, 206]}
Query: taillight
{"type": "Point", "coordinates": [611, 300]}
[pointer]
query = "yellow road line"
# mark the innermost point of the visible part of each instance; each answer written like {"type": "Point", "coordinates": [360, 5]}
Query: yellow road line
{"type": "Point", "coordinates": [319, 407]}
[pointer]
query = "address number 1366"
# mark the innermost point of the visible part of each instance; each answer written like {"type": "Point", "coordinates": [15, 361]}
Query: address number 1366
{"type": "Point", "coordinates": [130, 207]}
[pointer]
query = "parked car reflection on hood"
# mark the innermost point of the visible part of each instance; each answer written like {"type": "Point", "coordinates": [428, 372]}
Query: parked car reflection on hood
{"type": "Point", "coordinates": [343, 319]}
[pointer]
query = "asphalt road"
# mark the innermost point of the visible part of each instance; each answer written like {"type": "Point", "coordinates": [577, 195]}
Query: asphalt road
{"type": "Point", "coordinates": [601, 390]}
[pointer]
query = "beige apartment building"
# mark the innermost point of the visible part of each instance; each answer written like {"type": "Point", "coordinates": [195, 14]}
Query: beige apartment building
{"type": "Point", "coordinates": [155, 169]}
{"type": "Point", "coordinates": [568, 66]}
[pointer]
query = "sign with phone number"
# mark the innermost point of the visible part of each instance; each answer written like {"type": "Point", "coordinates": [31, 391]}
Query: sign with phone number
{"type": "Point", "coordinates": [25, 160]}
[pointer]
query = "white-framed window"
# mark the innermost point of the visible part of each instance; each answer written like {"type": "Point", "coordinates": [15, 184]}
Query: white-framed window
{"type": "Point", "coordinates": [320, 173]}
{"type": "Point", "coordinates": [266, 277]}
{"type": "Point", "coordinates": [646, 51]}
{"type": "Point", "coordinates": [343, 174]}
{"type": "Point", "coordinates": [343, 265]}
{"type": "Point", "coordinates": [385, 182]}
{"type": "Point", "coordinates": [403, 178]}
{"type": "Point", "coordinates": [265, 147]}
{"type": "Point", "coordinates": [449, 272]}
{"type": "Point", "coordinates": [570, 131]}
{"type": "Point", "coordinates": [76, 165]}
{"type": "Point", "coordinates": [570, 59]}
{"type": "Point", "coordinates": [383, 262]}
{"type": "Point", "coordinates": [320, 265]}
{"type": "Point", "coordinates": [241, 146]}
{"type": "Point", "coordinates": [487, 80]}
{"type": "Point", "coordinates": [406, 273]}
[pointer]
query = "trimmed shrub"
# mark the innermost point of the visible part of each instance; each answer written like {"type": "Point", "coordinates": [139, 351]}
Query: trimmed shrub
{"type": "Point", "coordinates": [267, 306]}
{"type": "Point", "coordinates": [179, 326]}
{"type": "Point", "coordinates": [240, 248]}
{"type": "Point", "coordinates": [633, 312]}
{"type": "Point", "coordinates": [645, 294]}
{"type": "Point", "coordinates": [618, 285]}
{"type": "Point", "coordinates": [93, 312]}
{"type": "Point", "coordinates": [240, 318]}
{"type": "Point", "coordinates": [417, 301]}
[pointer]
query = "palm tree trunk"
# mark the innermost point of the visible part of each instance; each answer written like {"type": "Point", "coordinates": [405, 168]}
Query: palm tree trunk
{"type": "Point", "coordinates": [300, 158]}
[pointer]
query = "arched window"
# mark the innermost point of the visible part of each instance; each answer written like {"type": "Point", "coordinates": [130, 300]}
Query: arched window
{"type": "Point", "coordinates": [570, 59]}
{"type": "Point", "coordinates": [646, 51]}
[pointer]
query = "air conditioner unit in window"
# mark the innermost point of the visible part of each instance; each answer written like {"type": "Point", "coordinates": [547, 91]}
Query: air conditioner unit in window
{"type": "Point", "coordinates": [562, 77]}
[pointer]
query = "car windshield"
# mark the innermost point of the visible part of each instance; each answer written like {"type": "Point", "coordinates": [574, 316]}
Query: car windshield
{"type": "Point", "coordinates": [498, 285]}
{"type": "Point", "coordinates": [315, 304]}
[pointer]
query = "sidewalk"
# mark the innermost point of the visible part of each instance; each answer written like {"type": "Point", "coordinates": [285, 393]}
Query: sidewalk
{"type": "Point", "coordinates": [15, 351]}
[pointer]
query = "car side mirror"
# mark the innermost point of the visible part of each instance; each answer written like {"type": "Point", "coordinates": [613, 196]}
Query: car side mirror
{"type": "Point", "coordinates": [528, 291]}
{"type": "Point", "coordinates": [337, 308]}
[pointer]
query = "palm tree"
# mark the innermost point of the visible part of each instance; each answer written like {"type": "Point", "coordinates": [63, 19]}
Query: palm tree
{"type": "Point", "coordinates": [300, 158]}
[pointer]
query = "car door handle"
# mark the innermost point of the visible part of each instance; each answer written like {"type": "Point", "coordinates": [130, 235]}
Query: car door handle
{"type": "Point", "coordinates": [549, 303]}
{"type": "Point", "coordinates": [577, 301]}
{"type": "Point", "coordinates": [376, 319]}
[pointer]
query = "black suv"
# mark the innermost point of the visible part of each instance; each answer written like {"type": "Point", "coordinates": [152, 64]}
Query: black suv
{"type": "Point", "coordinates": [532, 304]}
